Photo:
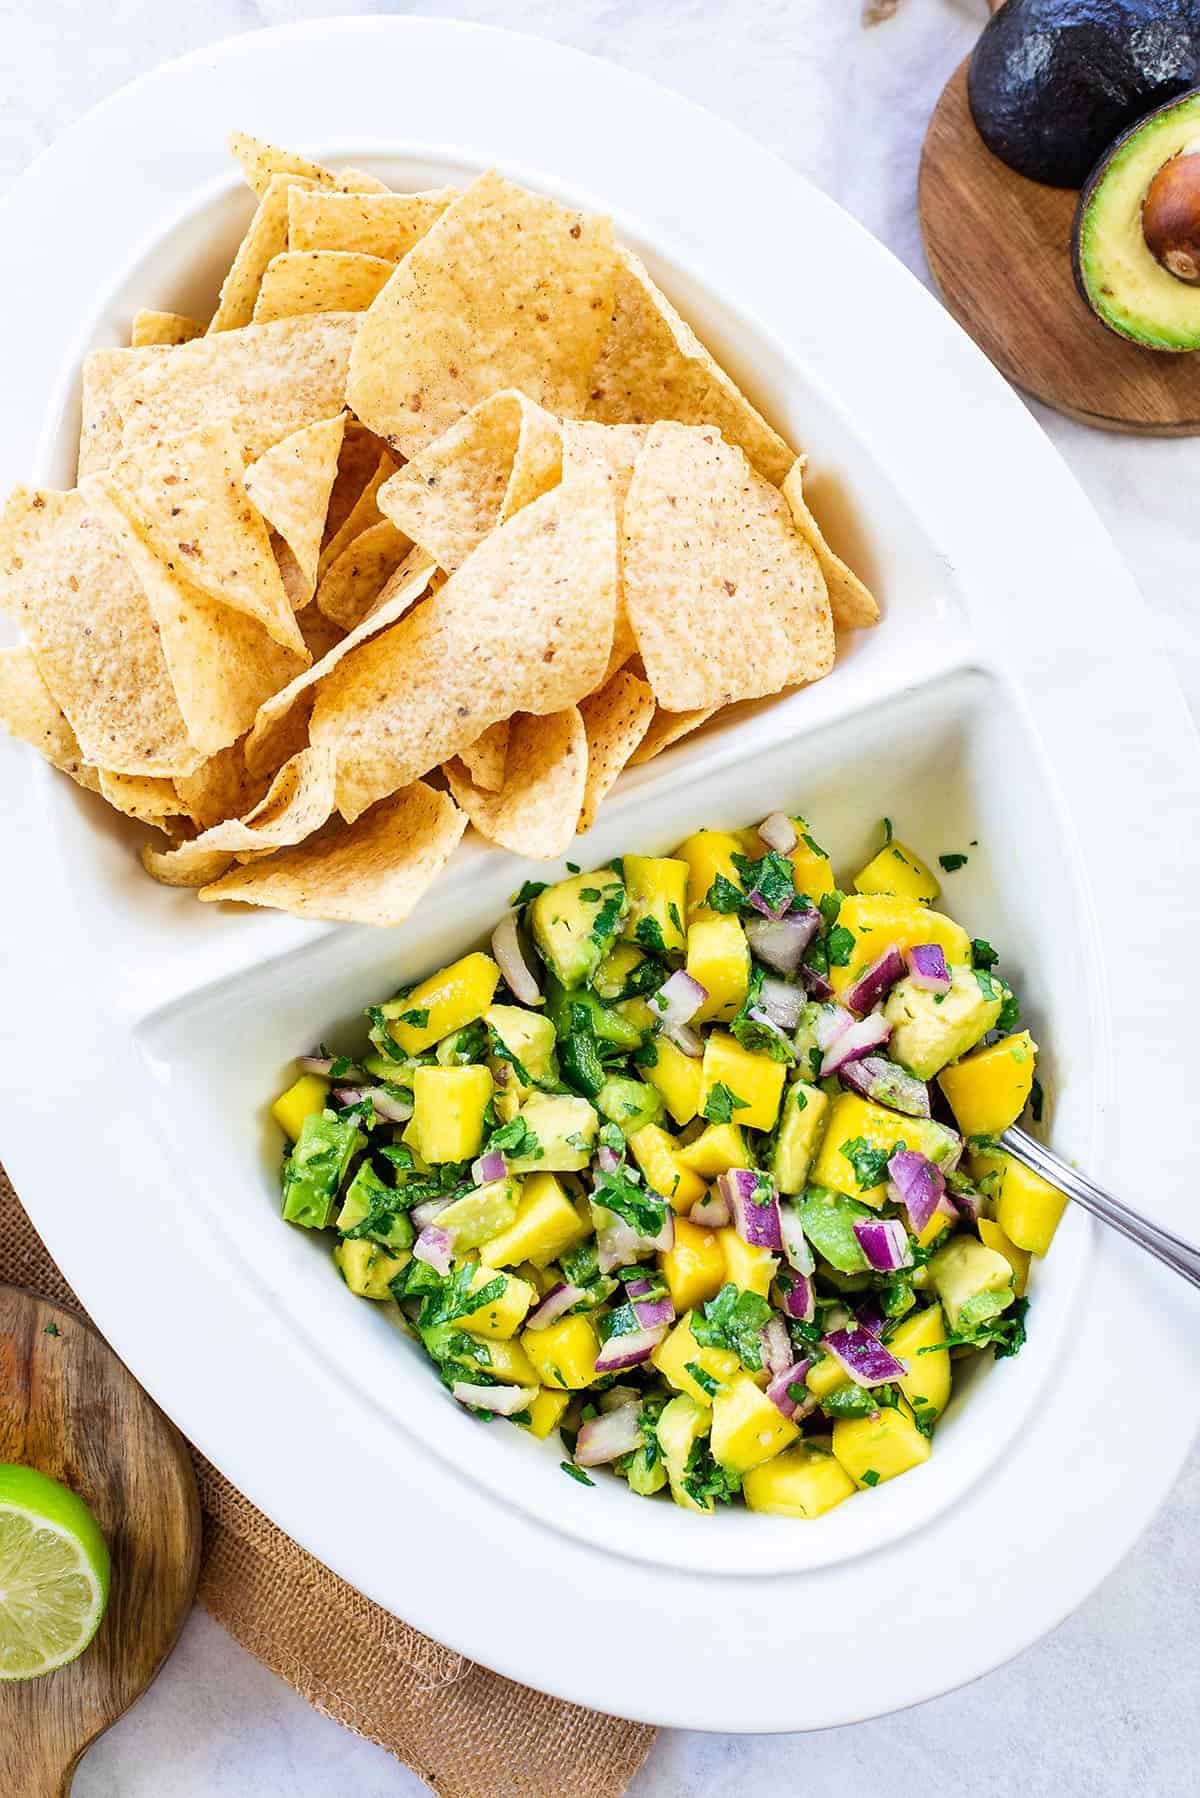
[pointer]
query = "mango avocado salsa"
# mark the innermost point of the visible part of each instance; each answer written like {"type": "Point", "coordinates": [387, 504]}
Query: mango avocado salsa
{"type": "Point", "coordinates": [698, 1167]}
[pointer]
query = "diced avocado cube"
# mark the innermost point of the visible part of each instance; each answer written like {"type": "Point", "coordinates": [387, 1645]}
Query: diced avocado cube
{"type": "Point", "coordinates": [645, 1471]}
{"type": "Point", "coordinates": [683, 1423]}
{"type": "Point", "coordinates": [629, 1103]}
{"type": "Point", "coordinates": [546, 1225]}
{"type": "Point", "coordinates": [367, 1268]}
{"type": "Point", "coordinates": [480, 1214]}
{"type": "Point", "coordinates": [575, 924]}
{"type": "Point", "coordinates": [565, 1128]}
{"type": "Point", "coordinates": [605, 1021]}
{"type": "Point", "coordinates": [656, 887]}
{"type": "Point", "coordinates": [931, 1029]}
{"type": "Point", "coordinates": [974, 1283]}
{"type": "Point", "coordinates": [316, 1168]}
{"type": "Point", "coordinates": [801, 1121]}
{"type": "Point", "coordinates": [387, 1067]}
{"type": "Point", "coordinates": [371, 1209]}
{"type": "Point", "coordinates": [613, 975]}
{"type": "Point", "coordinates": [828, 1220]}
{"type": "Point", "coordinates": [529, 1038]}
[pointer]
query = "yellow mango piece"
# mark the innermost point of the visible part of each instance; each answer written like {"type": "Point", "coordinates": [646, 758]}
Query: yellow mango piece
{"type": "Point", "coordinates": [679, 1350]}
{"type": "Point", "coordinates": [506, 1359]}
{"type": "Point", "coordinates": [612, 976]}
{"type": "Point", "coordinates": [755, 1079]}
{"type": "Point", "coordinates": [827, 1376]}
{"type": "Point", "coordinates": [366, 1267]}
{"type": "Point", "coordinates": [453, 997]}
{"type": "Point", "coordinates": [637, 1012]}
{"type": "Point", "coordinates": [678, 1077]}
{"type": "Point", "coordinates": [1028, 1208]}
{"type": "Point", "coordinates": [803, 1119]}
{"type": "Point", "coordinates": [564, 1356]}
{"type": "Point", "coordinates": [308, 1096]}
{"type": "Point", "coordinates": [681, 1425]}
{"type": "Point", "coordinates": [716, 1149]}
{"type": "Point", "coordinates": [448, 1111]}
{"type": "Point", "coordinates": [656, 1153]}
{"type": "Point", "coordinates": [875, 1449]}
{"type": "Point", "coordinates": [899, 870]}
{"type": "Point", "coordinates": [803, 1481]}
{"type": "Point", "coordinates": [878, 920]}
{"type": "Point", "coordinates": [542, 1279]}
{"type": "Point", "coordinates": [989, 1089]}
{"type": "Point", "coordinates": [811, 867]}
{"type": "Point", "coordinates": [694, 1266]}
{"type": "Point", "coordinates": [991, 1233]}
{"type": "Point", "coordinates": [656, 886]}
{"type": "Point", "coordinates": [750, 1269]}
{"type": "Point", "coordinates": [852, 1119]}
{"type": "Point", "coordinates": [747, 1427]}
{"type": "Point", "coordinates": [937, 1226]}
{"type": "Point", "coordinates": [545, 1413]}
{"type": "Point", "coordinates": [504, 1316]}
{"type": "Point", "coordinates": [545, 1226]}
{"type": "Point", "coordinates": [926, 1385]}
{"type": "Point", "coordinates": [718, 956]}
{"type": "Point", "coordinates": [707, 854]}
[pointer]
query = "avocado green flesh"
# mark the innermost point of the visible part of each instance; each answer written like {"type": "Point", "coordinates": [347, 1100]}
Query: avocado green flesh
{"type": "Point", "coordinates": [1122, 281]}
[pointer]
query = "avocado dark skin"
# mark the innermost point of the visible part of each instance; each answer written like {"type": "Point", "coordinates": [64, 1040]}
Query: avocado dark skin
{"type": "Point", "coordinates": [1051, 83]}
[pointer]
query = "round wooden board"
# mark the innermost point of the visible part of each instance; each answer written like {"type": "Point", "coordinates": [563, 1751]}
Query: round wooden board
{"type": "Point", "coordinates": [999, 247]}
{"type": "Point", "coordinates": [72, 1410]}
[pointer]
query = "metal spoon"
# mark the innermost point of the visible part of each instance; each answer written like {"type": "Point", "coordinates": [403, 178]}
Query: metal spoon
{"type": "Point", "coordinates": [1183, 1256]}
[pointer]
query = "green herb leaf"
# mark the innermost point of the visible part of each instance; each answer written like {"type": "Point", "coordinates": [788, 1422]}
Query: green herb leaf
{"type": "Point", "coordinates": [951, 862]}
{"type": "Point", "coordinates": [721, 1104]}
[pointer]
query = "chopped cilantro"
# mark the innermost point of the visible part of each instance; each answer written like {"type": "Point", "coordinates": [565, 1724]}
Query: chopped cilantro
{"type": "Point", "coordinates": [851, 1401]}
{"type": "Point", "coordinates": [870, 1477]}
{"type": "Point", "coordinates": [673, 915]}
{"type": "Point", "coordinates": [868, 1162]}
{"type": "Point", "coordinates": [590, 894]}
{"type": "Point", "coordinates": [705, 1481]}
{"type": "Point", "coordinates": [576, 1473]}
{"type": "Point", "coordinates": [572, 867]}
{"type": "Point", "coordinates": [733, 1320]}
{"type": "Point", "coordinates": [51, 1329]}
{"type": "Point", "coordinates": [607, 918]}
{"type": "Point", "coordinates": [724, 896]}
{"type": "Point", "coordinates": [643, 1210]}
{"type": "Point", "coordinates": [646, 1056]}
{"type": "Point", "coordinates": [772, 878]}
{"type": "Point", "coordinates": [516, 1139]}
{"type": "Point", "coordinates": [1010, 1015]}
{"type": "Point", "coordinates": [501, 1052]}
{"type": "Point", "coordinates": [1037, 1100]}
{"type": "Point", "coordinates": [950, 862]}
{"type": "Point", "coordinates": [648, 935]}
{"type": "Point", "coordinates": [813, 847]}
{"type": "Point", "coordinates": [982, 953]}
{"type": "Point", "coordinates": [527, 891]}
{"type": "Point", "coordinates": [830, 904]}
{"type": "Point", "coordinates": [752, 1035]}
{"type": "Point", "coordinates": [703, 1379]}
{"type": "Point", "coordinates": [839, 946]}
{"type": "Point", "coordinates": [888, 832]}
{"type": "Point", "coordinates": [1006, 1334]}
{"type": "Point", "coordinates": [418, 1017]}
{"type": "Point", "coordinates": [721, 1104]}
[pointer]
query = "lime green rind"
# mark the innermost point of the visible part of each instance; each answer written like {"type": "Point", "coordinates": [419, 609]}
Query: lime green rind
{"type": "Point", "coordinates": [54, 1574]}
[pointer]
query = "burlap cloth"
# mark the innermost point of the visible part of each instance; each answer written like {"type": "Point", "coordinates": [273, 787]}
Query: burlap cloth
{"type": "Point", "coordinates": [467, 1732]}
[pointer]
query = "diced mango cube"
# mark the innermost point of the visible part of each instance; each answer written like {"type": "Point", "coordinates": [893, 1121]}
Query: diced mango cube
{"type": "Point", "coordinates": [827, 1376]}
{"type": "Point", "coordinates": [503, 1316]}
{"type": "Point", "coordinates": [545, 1226]}
{"type": "Point", "coordinates": [878, 920]}
{"type": "Point", "coordinates": [803, 1481]}
{"type": "Point", "coordinates": [916, 1341]}
{"type": "Point", "coordinates": [448, 1111]}
{"type": "Point", "coordinates": [716, 1149]}
{"type": "Point", "coordinates": [707, 854]}
{"type": "Point", "coordinates": [874, 1449]}
{"type": "Point", "coordinates": [679, 1351]}
{"type": "Point", "coordinates": [656, 1153]}
{"type": "Point", "coordinates": [450, 999]}
{"type": "Point", "coordinates": [718, 956]}
{"type": "Point", "coordinates": [1028, 1208]}
{"type": "Point", "coordinates": [991, 1233]}
{"type": "Point", "coordinates": [750, 1269]}
{"type": "Point", "coordinates": [481, 1214]}
{"type": "Point", "coordinates": [308, 1096]}
{"type": "Point", "coordinates": [366, 1267]}
{"type": "Point", "coordinates": [801, 1123]}
{"type": "Point", "coordinates": [656, 886]}
{"type": "Point", "coordinates": [811, 867]}
{"type": "Point", "coordinates": [754, 1079]}
{"type": "Point", "coordinates": [899, 870]}
{"type": "Point", "coordinates": [694, 1266]}
{"type": "Point", "coordinates": [545, 1413]}
{"type": "Point", "coordinates": [564, 1355]}
{"type": "Point", "coordinates": [989, 1089]}
{"type": "Point", "coordinates": [747, 1427]}
{"type": "Point", "coordinates": [678, 1077]}
{"type": "Point", "coordinates": [504, 1358]}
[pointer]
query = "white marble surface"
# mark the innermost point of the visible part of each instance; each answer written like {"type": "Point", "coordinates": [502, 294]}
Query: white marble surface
{"type": "Point", "coordinates": [1104, 1707]}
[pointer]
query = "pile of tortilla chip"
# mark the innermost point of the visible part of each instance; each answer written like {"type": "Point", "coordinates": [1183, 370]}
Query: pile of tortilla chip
{"type": "Point", "coordinates": [445, 517]}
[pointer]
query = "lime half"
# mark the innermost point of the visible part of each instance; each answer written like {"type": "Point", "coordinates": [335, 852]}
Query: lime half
{"type": "Point", "coordinates": [54, 1572]}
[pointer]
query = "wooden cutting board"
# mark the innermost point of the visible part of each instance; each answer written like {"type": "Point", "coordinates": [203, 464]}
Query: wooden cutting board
{"type": "Point", "coordinates": [999, 248]}
{"type": "Point", "coordinates": [69, 1408]}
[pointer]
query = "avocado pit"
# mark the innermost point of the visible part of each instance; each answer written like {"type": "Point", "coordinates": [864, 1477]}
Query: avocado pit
{"type": "Point", "coordinates": [1171, 215]}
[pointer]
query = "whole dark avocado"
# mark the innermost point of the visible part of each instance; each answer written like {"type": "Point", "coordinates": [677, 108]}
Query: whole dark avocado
{"type": "Point", "coordinates": [1051, 83]}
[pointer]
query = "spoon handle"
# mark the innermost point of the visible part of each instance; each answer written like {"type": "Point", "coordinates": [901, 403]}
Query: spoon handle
{"type": "Point", "coordinates": [1183, 1257]}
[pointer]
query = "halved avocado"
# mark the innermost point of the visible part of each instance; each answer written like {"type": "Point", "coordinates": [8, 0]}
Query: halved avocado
{"type": "Point", "coordinates": [1136, 243]}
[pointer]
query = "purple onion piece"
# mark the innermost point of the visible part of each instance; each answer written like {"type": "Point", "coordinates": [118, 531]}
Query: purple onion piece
{"type": "Point", "coordinates": [778, 832]}
{"type": "Point", "coordinates": [920, 1185]}
{"type": "Point", "coordinates": [489, 1167]}
{"type": "Point", "coordinates": [831, 1022]}
{"type": "Point", "coordinates": [782, 1002]}
{"type": "Point", "coordinates": [435, 1246]}
{"type": "Point", "coordinates": [607, 1160]}
{"type": "Point", "coordinates": [969, 1204]}
{"type": "Point", "coordinates": [503, 1400]}
{"type": "Point", "coordinates": [884, 1081]}
{"type": "Point", "coordinates": [856, 1042]}
{"type": "Point", "coordinates": [884, 1242]}
{"type": "Point", "coordinates": [764, 907]}
{"type": "Point", "coordinates": [815, 983]}
{"type": "Point", "coordinates": [629, 1350]}
{"type": "Point", "coordinates": [754, 1203]}
{"type": "Point", "coordinates": [650, 1313]}
{"type": "Point", "coordinates": [766, 1022]}
{"type": "Point", "coordinates": [396, 1111]}
{"type": "Point", "coordinates": [776, 1345]}
{"type": "Point", "coordinates": [608, 1436]}
{"type": "Point", "coordinates": [558, 1300]}
{"type": "Point", "coordinates": [863, 1356]}
{"type": "Point", "coordinates": [347, 1095]}
{"type": "Point", "coordinates": [876, 982]}
{"type": "Point", "coordinates": [781, 1398]}
{"type": "Point", "coordinates": [712, 1211]}
{"type": "Point", "coordinates": [423, 1215]}
{"type": "Point", "coordinates": [872, 1316]}
{"type": "Point", "coordinates": [324, 1065]}
{"type": "Point", "coordinates": [927, 967]}
{"type": "Point", "coordinates": [685, 1039]}
{"type": "Point", "coordinates": [506, 947]}
{"type": "Point", "coordinates": [678, 999]}
{"type": "Point", "coordinates": [796, 1245]}
{"type": "Point", "coordinates": [780, 943]}
{"type": "Point", "coordinates": [799, 1295]}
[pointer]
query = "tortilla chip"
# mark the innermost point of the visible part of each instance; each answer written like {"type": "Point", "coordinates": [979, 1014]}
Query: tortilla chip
{"type": "Point", "coordinates": [291, 486]}
{"type": "Point", "coordinates": [386, 225]}
{"type": "Point", "coordinates": [319, 633]}
{"type": "Point", "coordinates": [261, 161]}
{"type": "Point", "coordinates": [163, 328]}
{"type": "Point", "coordinates": [361, 516]}
{"type": "Point", "coordinates": [615, 450]}
{"type": "Point", "coordinates": [223, 663]}
{"type": "Point", "coordinates": [615, 719]}
{"type": "Point", "coordinates": [29, 711]}
{"type": "Point", "coordinates": [147, 797]}
{"type": "Point", "coordinates": [666, 728]}
{"type": "Point", "coordinates": [298, 802]}
{"type": "Point", "coordinates": [308, 281]}
{"type": "Point", "coordinates": [185, 497]}
{"type": "Point", "coordinates": [507, 289]}
{"type": "Point", "coordinates": [371, 872]}
{"type": "Point", "coordinates": [653, 366]}
{"type": "Point", "coordinates": [501, 455]}
{"type": "Point", "coordinates": [351, 585]}
{"type": "Point", "coordinates": [852, 604]}
{"type": "Point", "coordinates": [537, 809]}
{"type": "Point", "coordinates": [267, 381]}
{"type": "Point", "coordinates": [358, 461]}
{"type": "Point", "coordinates": [727, 602]}
{"type": "Point", "coordinates": [64, 580]}
{"type": "Point", "coordinates": [221, 787]}
{"type": "Point", "coordinates": [265, 239]}
{"type": "Point", "coordinates": [105, 375]}
{"type": "Point", "coordinates": [484, 759]}
{"type": "Point", "coordinates": [524, 625]}
{"type": "Point", "coordinates": [281, 727]}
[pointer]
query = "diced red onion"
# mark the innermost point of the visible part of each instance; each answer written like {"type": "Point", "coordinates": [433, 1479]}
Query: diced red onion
{"type": "Point", "coordinates": [776, 1345]}
{"type": "Point", "coordinates": [435, 1247]}
{"type": "Point", "coordinates": [871, 1315]}
{"type": "Point", "coordinates": [678, 999]}
{"type": "Point", "coordinates": [712, 1211]}
{"type": "Point", "coordinates": [796, 1245]}
{"type": "Point", "coordinates": [782, 1399]}
{"type": "Point", "coordinates": [489, 1167]}
{"type": "Point", "coordinates": [650, 1313]}
{"type": "Point", "coordinates": [616, 1396]}
{"type": "Point", "coordinates": [506, 947]}
{"type": "Point", "coordinates": [816, 984]}
{"type": "Point", "coordinates": [503, 1400]}
{"type": "Point", "coordinates": [831, 1022]}
{"type": "Point", "coordinates": [884, 1081]}
{"type": "Point", "coordinates": [607, 1160]}
{"type": "Point", "coordinates": [619, 1245]}
{"type": "Point", "coordinates": [559, 1299]}
{"type": "Point", "coordinates": [782, 1002]}
{"type": "Point", "coordinates": [799, 1296]}
{"type": "Point", "coordinates": [856, 1042]}
{"type": "Point", "coordinates": [778, 832]}
{"type": "Point", "coordinates": [432, 1208]}
{"type": "Point", "coordinates": [919, 1184]}
{"type": "Point", "coordinates": [970, 1204]}
{"type": "Point", "coordinates": [927, 967]}
{"type": "Point", "coordinates": [629, 1350]}
{"type": "Point", "coordinates": [876, 981]}
{"type": "Point", "coordinates": [764, 907]}
{"type": "Point", "coordinates": [606, 1437]}
{"type": "Point", "coordinates": [685, 1039]}
{"type": "Point", "coordinates": [863, 1356]}
{"type": "Point", "coordinates": [884, 1242]}
{"type": "Point", "coordinates": [666, 1237]}
{"type": "Point", "coordinates": [396, 1111]}
{"type": "Point", "coordinates": [781, 942]}
{"type": "Point", "coordinates": [324, 1065]}
{"type": "Point", "coordinates": [765, 1021]}
{"type": "Point", "coordinates": [347, 1095]}
{"type": "Point", "coordinates": [755, 1220]}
